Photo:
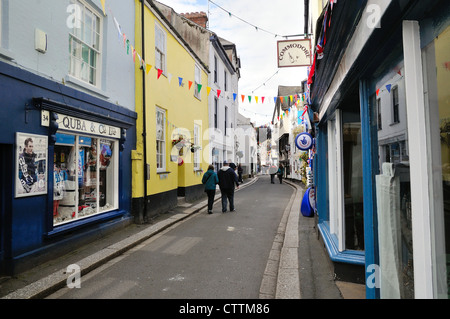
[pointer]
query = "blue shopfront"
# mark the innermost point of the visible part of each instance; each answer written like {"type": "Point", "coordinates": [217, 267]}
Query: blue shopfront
{"type": "Point", "coordinates": [66, 168]}
{"type": "Point", "coordinates": [381, 167]}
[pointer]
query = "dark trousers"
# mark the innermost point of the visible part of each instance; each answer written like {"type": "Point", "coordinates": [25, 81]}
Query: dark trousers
{"type": "Point", "coordinates": [280, 177]}
{"type": "Point", "coordinates": [211, 193]}
{"type": "Point", "coordinates": [227, 196]}
{"type": "Point", "coordinates": [272, 178]}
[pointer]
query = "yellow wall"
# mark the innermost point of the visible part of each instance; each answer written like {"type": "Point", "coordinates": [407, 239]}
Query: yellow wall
{"type": "Point", "coordinates": [182, 110]}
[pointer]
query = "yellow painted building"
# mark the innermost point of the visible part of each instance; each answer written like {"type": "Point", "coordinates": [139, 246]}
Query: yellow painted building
{"type": "Point", "coordinates": [172, 119]}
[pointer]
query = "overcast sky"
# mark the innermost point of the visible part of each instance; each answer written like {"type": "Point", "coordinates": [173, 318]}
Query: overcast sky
{"type": "Point", "coordinates": [256, 48]}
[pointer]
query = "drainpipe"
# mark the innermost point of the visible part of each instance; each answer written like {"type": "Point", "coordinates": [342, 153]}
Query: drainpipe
{"type": "Point", "coordinates": [144, 117]}
{"type": "Point", "coordinates": [306, 18]}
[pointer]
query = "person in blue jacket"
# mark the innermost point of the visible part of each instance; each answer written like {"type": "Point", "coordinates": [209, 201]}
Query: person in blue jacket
{"type": "Point", "coordinates": [210, 180]}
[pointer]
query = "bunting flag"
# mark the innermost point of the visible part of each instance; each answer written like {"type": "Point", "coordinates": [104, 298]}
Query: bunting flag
{"type": "Point", "coordinates": [388, 87]}
{"type": "Point", "coordinates": [234, 96]}
{"type": "Point", "coordinates": [262, 100]}
{"type": "Point", "coordinates": [208, 90]}
{"type": "Point", "coordinates": [180, 81]}
{"type": "Point", "coordinates": [147, 68]}
{"type": "Point", "coordinates": [170, 77]}
{"type": "Point", "coordinates": [190, 84]}
{"type": "Point", "coordinates": [249, 99]}
{"type": "Point", "coordinates": [199, 87]}
{"type": "Point", "coordinates": [378, 92]}
{"type": "Point", "coordinates": [159, 73]}
{"type": "Point", "coordinates": [256, 99]}
{"type": "Point", "coordinates": [103, 6]}
{"type": "Point", "coordinates": [243, 97]}
{"type": "Point", "coordinates": [218, 93]}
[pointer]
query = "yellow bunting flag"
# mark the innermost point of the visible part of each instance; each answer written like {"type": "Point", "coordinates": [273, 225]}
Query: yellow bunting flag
{"type": "Point", "coordinates": [147, 68]}
{"type": "Point", "coordinates": [208, 90]}
{"type": "Point", "coordinates": [103, 6]}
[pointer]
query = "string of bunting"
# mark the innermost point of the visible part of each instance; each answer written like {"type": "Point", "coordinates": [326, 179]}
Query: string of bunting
{"type": "Point", "coordinates": [147, 68]}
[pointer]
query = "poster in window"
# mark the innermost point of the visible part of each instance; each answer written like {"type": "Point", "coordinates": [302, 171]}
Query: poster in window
{"type": "Point", "coordinates": [31, 164]}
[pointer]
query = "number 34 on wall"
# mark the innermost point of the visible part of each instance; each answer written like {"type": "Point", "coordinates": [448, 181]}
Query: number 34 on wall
{"type": "Point", "coordinates": [45, 118]}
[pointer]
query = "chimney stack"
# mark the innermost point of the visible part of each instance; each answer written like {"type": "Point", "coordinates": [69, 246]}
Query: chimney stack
{"type": "Point", "coordinates": [199, 18]}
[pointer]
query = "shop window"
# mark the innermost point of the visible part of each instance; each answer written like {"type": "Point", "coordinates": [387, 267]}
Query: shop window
{"type": "Point", "coordinates": [85, 177]}
{"type": "Point", "coordinates": [85, 44]}
{"type": "Point", "coordinates": [437, 56]}
{"type": "Point", "coordinates": [393, 202]}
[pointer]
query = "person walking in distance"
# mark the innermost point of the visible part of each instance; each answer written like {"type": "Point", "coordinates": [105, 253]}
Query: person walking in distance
{"type": "Point", "coordinates": [210, 180]}
{"type": "Point", "coordinates": [227, 181]}
{"type": "Point", "coordinates": [240, 171]}
{"type": "Point", "coordinates": [280, 172]}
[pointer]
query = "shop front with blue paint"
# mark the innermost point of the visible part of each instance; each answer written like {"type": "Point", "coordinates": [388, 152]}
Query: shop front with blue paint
{"type": "Point", "coordinates": [381, 161]}
{"type": "Point", "coordinates": [66, 168]}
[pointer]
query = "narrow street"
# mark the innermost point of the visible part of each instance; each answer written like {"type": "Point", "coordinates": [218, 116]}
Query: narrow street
{"type": "Point", "coordinates": [216, 256]}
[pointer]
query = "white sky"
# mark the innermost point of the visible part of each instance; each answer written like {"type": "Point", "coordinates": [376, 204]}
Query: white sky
{"type": "Point", "coordinates": [256, 49]}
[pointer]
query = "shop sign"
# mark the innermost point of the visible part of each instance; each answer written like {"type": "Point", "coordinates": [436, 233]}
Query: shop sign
{"type": "Point", "coordinates": [304, 141]}
{"type": "Point", "coordinates": [74, 124]}
{"type": "Point", "coordinates": [292, 53]}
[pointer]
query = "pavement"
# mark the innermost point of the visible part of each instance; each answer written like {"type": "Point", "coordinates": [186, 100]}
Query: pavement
{"type": "Point", "coordinates": [297, 268]}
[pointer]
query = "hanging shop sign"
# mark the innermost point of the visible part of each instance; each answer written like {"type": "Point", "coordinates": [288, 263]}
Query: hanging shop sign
{"type": "Point", "coordinates": [292, 53]}
{"type": "Point", "coordinates": [304, 141]}
{"type": "Point", "coordinates": [74, 124]}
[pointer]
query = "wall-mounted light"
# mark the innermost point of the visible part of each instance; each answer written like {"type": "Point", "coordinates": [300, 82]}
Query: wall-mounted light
{"type": "Point", "coordinates": [40, 41]}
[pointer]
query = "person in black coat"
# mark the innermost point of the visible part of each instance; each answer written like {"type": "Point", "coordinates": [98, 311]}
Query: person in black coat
{"type": "Point", "coordinates": [227, 181]}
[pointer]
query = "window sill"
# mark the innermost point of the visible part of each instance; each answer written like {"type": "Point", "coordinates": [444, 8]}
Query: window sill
{"type": "Point", "coordinates": [80, 84]}
{"type": "Point", "coordinates": [76, 224]}
{"type": "Point", "coordinates": [163, 172]}
{"type": "Point", "coordinates": [347, 256]}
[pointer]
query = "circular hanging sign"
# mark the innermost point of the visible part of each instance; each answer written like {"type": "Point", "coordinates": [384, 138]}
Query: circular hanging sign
{"type": "Point", "coordinates": [304, 141]}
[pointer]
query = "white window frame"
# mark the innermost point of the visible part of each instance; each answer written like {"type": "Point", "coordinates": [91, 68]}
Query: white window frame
{"type": "Point", "coordinates": [160, 156]}
{"type": "Point", "coordinates": [336, 179]}
{"type": "Point", "coordinates": [80, 39]}
{"type": "Point", "coordinates": [161, 49]}
{"type": "Point", "coordinates": [197, 142]}
{"type": "Point", "coordinates": [198, 80]}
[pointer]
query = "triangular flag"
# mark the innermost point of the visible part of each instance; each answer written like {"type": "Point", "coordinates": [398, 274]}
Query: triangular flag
{"type": "Point", "coordinates": [250, 99]}
{"type": "Point", "coordinates": [208, 90]}
{"type": "Point", "coordinates": [234, 96]}
{"type": "Point", "coordinates": [388, 87]}
{"type": "Point", "coordinates": [134, 54]}
{"type": "Point", "coordinates": [103, 6]}
{"type": "Point", "coordinates": [180, 81]}
{"type": "Point", "coordinates": [256, 99]}
{"type": "Point", "coordinates": [290, 97]}
{"type": "Point", "coordinates": [243, 97]}
{"type": "Point", "coordinates": [170, 77]}
{"type": "Point", "coordinates": [148, 67]}
{"type": "Point", "coordinates": [274, 99]}
{"type": "Point", "coordinates": [281, 99]}
{"type": "Point", "coordinates": [378, 92]}
{"type": "Point", "coordinates": [190, 84]}
{"type": "Point", "coordinates": [159, 73]}
{"type": "Point", "coordinates": [218, 93]}
{"type": "Point", "coordinates": [199, 87]}
{"type": "Point", "coordinates": [262, 99]}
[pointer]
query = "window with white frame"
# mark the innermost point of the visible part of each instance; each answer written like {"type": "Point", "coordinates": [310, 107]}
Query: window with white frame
{"type": "Point", "coordinates": [216, 68]}
{"type": "Point", "coordinates": [85, 44]}
{"type": "Point", "coordinates": [198, 80]}
{"type": "Point", "coordinates": [197, 146]}
{"type": "Point", "coordinates": [160, 139]}
{"type": "Point", "coordinates": [225, 82]}
{"type": "Point", "coordinates": [160, 48]}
